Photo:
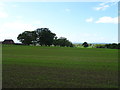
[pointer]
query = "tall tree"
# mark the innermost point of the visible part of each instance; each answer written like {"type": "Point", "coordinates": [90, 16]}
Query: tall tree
{"type": "Point", "coordinates": [27, 37]}
{"type": "Point", "coordinates": [45, 36]}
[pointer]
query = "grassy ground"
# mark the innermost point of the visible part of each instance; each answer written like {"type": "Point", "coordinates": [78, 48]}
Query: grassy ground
{"type": "Point", "coordinates": [56, 67]}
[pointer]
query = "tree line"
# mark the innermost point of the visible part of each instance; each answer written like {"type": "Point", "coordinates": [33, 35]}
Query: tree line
{"type": "Point", "coordinates": [110, 46]}
{"type": "Point", "coordinates": [43, 36]}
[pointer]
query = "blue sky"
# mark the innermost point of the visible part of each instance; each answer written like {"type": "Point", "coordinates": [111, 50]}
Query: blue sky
{"type": "Point", "coordinates": [92, 22]}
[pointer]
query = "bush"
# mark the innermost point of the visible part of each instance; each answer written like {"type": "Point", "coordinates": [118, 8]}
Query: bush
{"type": "Point", "coordinates": [100, 46]}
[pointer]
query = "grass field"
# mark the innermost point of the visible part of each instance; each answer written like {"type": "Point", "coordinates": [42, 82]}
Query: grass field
{"type": "Point", "coordinates": [57, 67]}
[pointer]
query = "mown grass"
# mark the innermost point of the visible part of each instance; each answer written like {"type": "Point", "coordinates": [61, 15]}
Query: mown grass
{"type": "Point", "coordinates": [58, 67]}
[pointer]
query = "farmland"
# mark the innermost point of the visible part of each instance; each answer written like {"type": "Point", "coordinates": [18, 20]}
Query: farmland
{"type": "Point", "coordinates": [59, 67]}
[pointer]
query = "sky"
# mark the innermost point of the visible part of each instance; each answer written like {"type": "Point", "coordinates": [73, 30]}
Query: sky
{"type": "Point", "coordinates": [92, 22]}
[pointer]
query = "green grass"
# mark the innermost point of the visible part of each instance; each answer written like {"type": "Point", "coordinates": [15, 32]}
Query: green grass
{"type": "Point", "coordinates": [58, 67]}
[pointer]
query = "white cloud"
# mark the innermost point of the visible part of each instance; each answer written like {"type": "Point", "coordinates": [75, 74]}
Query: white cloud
{"type": "Point", "coordinates": [106, 4]}
{"type": "Point", "coordinates": [8, 36]}
{"type": "Point", "coordinates": [103, 7]}
{"type": "Point", "coordinates": [2, 4]}
{"type": "Point", "coordinates": [102, 3]}
{"type": "Point", "coordinates": [108, 20]}
{"type": "Point", "coordinates": [89, 20]}
{"type": "Point", "coordinates": [10, 30]}
{"type": "Point", "coordinates": [16, 26]}
{"type": "Point", "coordinates": [3, 14]}
{"type": "Point", "coordinates": [19, 17]}
{"type": "Point", "coordinates": [14, 6]}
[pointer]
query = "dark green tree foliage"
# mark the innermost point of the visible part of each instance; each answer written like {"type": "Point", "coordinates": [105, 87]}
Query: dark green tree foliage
{"type": "Point", "coordinates": [113, 46]}
{"type": "Point", "coordinates": [62, 41]}
{"type": "Point", "coordinates": [55, 42]}
{"type": "Point", "coordinates": [85, 44]}
{"type": "Point", "coordinates": [34, 37]}
{"type": "Point", "coordinates": [45, 36]}
{"type": "Point", "coordinates": [27, 37]}
{"type": "Point", "coordinates": [100, 46]}
{"type": "Point", "coordinates": [118, 45]}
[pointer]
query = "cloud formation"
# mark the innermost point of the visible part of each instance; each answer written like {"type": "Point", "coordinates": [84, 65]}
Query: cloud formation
{"type": "Point", "coordinates": [10, 30]}
{"type": "Point", "coordinates": [106, 4]}
{"type": "Point", "coordinates": [3, 14]}
{"type": "Point", "coordinates": [89, 20]}
{"type": "Point", "coordinates": [106, 19]}
{"type": "Point", "coordinates": [103, 7]}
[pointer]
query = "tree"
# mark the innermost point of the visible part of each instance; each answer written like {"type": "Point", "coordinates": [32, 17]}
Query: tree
{"type": "Point", "coordinates": [55, 42]}
{"type": "Point", "coordinates": [100, 46]}
{"type": "Point", "coordinates": [114, 46]}
{"type": "Point", "coordinates": [85, 44]}
{"type": "Point", "coordinates": [34, 38]}
{"type": "Point", "coordinates": [118, 45]}
{"type": "Point", "coordinates": [27, 37]}
{"type": "Point", "coordinates": [62, 41]}
{"type": "Point", "coordinates": [45, 36]}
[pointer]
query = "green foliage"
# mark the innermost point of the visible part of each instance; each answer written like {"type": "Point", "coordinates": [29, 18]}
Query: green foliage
{"type": "Point", "coordinates": [43, 36]}
{"type": "Point", "coordinates": [85, 44]}
{"type": "Point", "coordinates": [99, 46]}
{"type": "Point", "coordinates": [62, 41]}
{"type": "Point", "coordinates": [118, 45]}
{"type": "Point", "coordinates": [110, 46]}
{"type": "Point", "coordinates": [113, 46]}
{"type": "Point", "coordinates": [27, 37]}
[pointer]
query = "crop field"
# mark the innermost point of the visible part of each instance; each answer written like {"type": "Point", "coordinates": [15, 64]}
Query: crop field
{"type": "Point", "coordinates": [59, 67]}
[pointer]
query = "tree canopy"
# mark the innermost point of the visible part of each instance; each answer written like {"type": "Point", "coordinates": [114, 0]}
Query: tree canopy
{"type": "Point", "coordinates": [43, 36]}
{"type": "Point", "coordinates": [85, 44]}
{"type": "Point", "coordinates": [62, 41]}
{"type": "Point", "coordinates": [27, 37]}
